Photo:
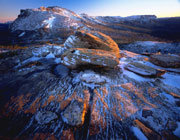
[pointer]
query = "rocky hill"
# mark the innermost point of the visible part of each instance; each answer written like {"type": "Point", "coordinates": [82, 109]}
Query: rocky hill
{"type": "Point", "coordinates": [55, 24]}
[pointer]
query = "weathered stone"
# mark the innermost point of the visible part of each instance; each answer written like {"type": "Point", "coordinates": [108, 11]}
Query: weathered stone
{"type": "Point", "coordinates": [73, 58]}
{"type": "Point", "coordinates": [74, 114]}
{"type": "Point", "coordinates": [91, 77]}
{"type": "Point", "coordinates": [45, 117]}
{"type": "Point", "coordinates": [167, 61]}
{"type": "Point", "coordinates": [144, 70]}
{"type": "Point", "coordinates": [92, 40]}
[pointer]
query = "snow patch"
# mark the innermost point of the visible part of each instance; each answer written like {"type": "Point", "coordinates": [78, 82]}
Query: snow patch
{"type": "Point", "coordinates": [177, 131]}
{"type": "Point", "coordinates": [51, 55]}
{"type": "Point", "coordinates": [123, 63]}
{"type": "Point", "coordinates": [171, 79]}
{"type": "Point", "coordinates": [22, 34]}
{"type": "Point", "coordinates": [139, 134]}
{"type": "Point", "coordinates": [49, 22]}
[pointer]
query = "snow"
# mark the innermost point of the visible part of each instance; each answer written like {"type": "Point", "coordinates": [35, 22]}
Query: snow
{"type": "Point", "coordinates": [171, 79]}
{"type": "Point", "coordinates": [22, 34]}
{"type": "Point", "coordinates": [90, 78]}
{"type": "Point", "coordinates": [139, 134]}
{"type": "Point", "coordinates": [69, 41]}
{"type": "Point", "coordinates": [77, 52]}
{"type": "Point", "coordinates": [149, 43]}
{"type": "Point", "coordinates": [32, 59]}
{"type": "Point", "coordinates": [123, 62]}
{"type": "Point", "coordinates": [57, 60]}
{"type": "Point", "coordinates": [49, 22]}
{"type": "Point", "coordinates": [50, 56]}
{"type": "Point", "coordinates": [39, 51]}
{"type": "Point", "coordinates": [177, 131]}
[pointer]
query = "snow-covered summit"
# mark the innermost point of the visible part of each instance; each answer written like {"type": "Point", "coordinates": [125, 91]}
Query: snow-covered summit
{"type": "Point", "coordinates": [50, 17]}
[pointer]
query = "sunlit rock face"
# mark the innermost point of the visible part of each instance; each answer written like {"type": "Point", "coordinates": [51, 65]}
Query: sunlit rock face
{"type": "Point", "coordinates": [90, 48]}
{"type": "Point", "coordinates": [41, 98]}
{"type": "Point", "coordinates": [92, 40]}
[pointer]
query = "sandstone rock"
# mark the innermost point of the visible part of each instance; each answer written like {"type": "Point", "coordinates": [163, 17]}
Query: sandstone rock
{"type": "Point", "coordinates": [144, 70]}
{"type": "Point", "coordinates": [167, 61]}
{"type": "Point", "coordinates": [45, 117]}
{"type": "Point", "coordinates": [92, 40]}
{"type": "Point", "coordinates": [73, 58]}
{"type": "Point", "coordinates": [74, 114]}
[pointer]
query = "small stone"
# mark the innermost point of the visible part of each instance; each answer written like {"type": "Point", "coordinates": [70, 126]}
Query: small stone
{"type": "Point", "coordinates": [45, 117]}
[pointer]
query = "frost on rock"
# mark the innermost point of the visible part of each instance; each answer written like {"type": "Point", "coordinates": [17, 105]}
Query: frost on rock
{"type": "Point", "coordinates": [89, 77]}
{"type": "Point", "coordinates": [22, 34]}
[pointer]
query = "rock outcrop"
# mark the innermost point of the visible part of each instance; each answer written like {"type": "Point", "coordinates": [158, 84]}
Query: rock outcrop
{"type": "Point", "coordinates": [90, 48]}
{"type": "Point", "coordinates": [92, 40]}
{"type": "Point", "coordinates": [165, 60]}
{"type": "Point", "coordinates": [73, 58]}
{"type": "Point", "coordinates": [144, 70]}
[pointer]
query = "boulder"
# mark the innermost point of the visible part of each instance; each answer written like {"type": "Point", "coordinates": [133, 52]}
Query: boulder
{"type": "Point", "coordinates": [92, 40]}
{"type": "Point", "coordinates": [75, 57]}
{"type": "Point", "coordinates": [45, 117]}
{"type": "Point", "coordinates": [144, 70]}
{"type": "Point", "coordinates": [164, 60]}
{"type": "Point", "coordinates": [74, 114]}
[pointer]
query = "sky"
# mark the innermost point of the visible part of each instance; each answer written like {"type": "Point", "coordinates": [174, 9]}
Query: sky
{"type": "Point", "coordinates": [9, 9]}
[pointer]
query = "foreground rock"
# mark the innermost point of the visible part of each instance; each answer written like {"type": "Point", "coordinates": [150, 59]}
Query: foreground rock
{"type": "Point", "coordinates": [73, 58]}
{"type": "Point", "coordinates": [144, 70]}
{"type": "Point", "coordinates": [74, 114]}
{"type": "Point", "coordinates": [41, 99]}
{"type": "Point", "coordinates": [45, 117]}
{"type": "Point", "coordinates": [167, 61]}
{"type": "Point", "coordinates": [92, 40]}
